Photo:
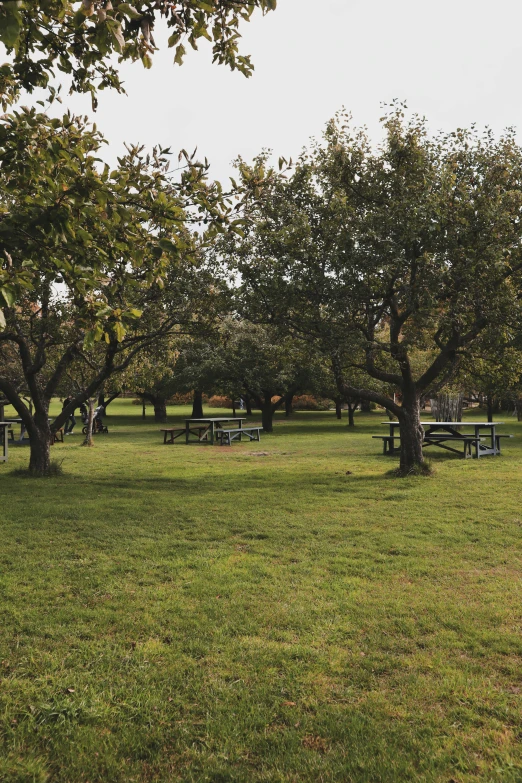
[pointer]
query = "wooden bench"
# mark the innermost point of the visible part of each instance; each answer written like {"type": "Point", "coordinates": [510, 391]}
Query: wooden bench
{"type": "Point", "coordinates": [467, 440]}
{"type": "Point", "coordinates": [225, 437]}
{"type": "Point", "coordinates": [497, 440]}
{"type": "Point", "coordinates": [388, 445]}
{"type": "Point", "coordinates": [57, 437]}
{"type": "Point", "coordinates": [436, 439]}
{"type": "Point", "coordinates": [172, 433]}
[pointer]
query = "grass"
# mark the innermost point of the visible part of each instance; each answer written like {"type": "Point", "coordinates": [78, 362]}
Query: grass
{"type": "Point", "coordinates": [282, 611]}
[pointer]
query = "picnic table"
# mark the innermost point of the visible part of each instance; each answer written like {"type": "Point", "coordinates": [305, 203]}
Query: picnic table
{"type": "Point", "coordinates": [57, 437]}
{"type": "Point", "coordinates": [445, 435]}
{"type": "Point", "coordinates": [209, 427]}
{"type": "Point", "coordinates": [11, 421]}
{"type": "Point", "coordinates": [211, 430]}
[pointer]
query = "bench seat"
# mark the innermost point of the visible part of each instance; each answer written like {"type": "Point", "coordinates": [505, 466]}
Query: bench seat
{"type": "Point", "coordinates": [498, 439]}
{"type": "Point", "coordinates": [225, 437]}
{"type": "Point", "coordinates": [171, 433]}
{"type": "Point", "coordinates": [437, 439]}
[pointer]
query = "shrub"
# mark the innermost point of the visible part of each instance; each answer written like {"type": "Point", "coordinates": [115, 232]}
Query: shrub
{"type": "Point", "coordinates": [219, 402]}
{"type": "Point", "coordinates": [307, 402]}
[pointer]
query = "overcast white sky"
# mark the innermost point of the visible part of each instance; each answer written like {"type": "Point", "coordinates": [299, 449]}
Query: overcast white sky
{"type": "Point", "coordinates": [456, 61]}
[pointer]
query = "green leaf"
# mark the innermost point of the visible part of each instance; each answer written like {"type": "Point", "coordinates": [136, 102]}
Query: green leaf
{"type": "Point", "coordinates": [128, 10]}
{"type": "Point", "coordinates": [119, 331]}
{"type": "Point", "coordinates": [168, 245]}
{"type": "Point", "coordinates": [10, 24]}
{"type": "Point", "coordinates": [180, 53]}
{"type": "Point", "coordinates": [2, 320]}
{"type": "Point", "coordinates": [8, 295]}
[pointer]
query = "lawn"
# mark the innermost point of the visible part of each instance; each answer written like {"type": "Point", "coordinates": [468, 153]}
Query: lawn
{"type": "Point", "coordinates": [281, 611]}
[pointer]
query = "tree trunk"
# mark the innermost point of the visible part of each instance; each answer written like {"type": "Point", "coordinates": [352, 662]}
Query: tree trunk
{"type": "Point", "coordinates": [197, 405]}
{"type": "Point", "coordinates": [143, 407]}
{"type": "Point", "coordinates": [338, 408]}
{"type": "Point", "coordinates": [106, 403]}
{"type": "Point", "coordinates": [289, 398]}
{"type": "Point", "coordinates": [40, 444]}
{"type": "Point", "coordinates": [489, 402]}
{"type": "Point", "coordinates": [351, 411]}
{"type": "Point", "coordinates": [88, 437]}
{"type": "Point", "coordinates": [267, 414]}
{"type": "Point", "coordinates": [160, 410]}
{"type": "Point", "coordinates": [248, 405]}
{"type": "Point", "coordinates": [233, 407]}
{"type": "Point", "coordinates": [412, 435]}
{"type": "Point", "coordinates": [366, 406]}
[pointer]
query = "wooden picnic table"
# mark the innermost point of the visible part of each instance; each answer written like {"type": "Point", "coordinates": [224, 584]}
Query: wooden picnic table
{"type": "Point", "coordinates": [11, 421]}
{"type": "Point", "coordinates": [209, 426]}
{"type": "Point", "coordinates": [442, 433]}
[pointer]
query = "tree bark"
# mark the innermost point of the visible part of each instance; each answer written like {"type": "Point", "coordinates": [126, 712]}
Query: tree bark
{"type": "Point", "coordinates": [267, 414]}
{"type": "Point", "coordinates": [106, 403]}
{"type": "Point", "coordinates": [351, 410]}
{"type": "Point", "coordinates": [143, 407]}
{"type": "Point", "coordinates": [489, 403]}
{"type": "Point", "coordinates": [160, 410]}
{"type": "Point", "coordinates": [338, 408]}
{"type": "Point", "coordinates": [248, 405]}
{"type": "Point", "coordinates": [88, 437]}
{"type": "Point", "coordinates": [233, 406]}
{"type": "Point", "coordinates": [289, 398]}
{"type": "Point", "coordinates": [412, 435]}
{"type": "Point", "coordinates": [40, 444]}
{"type": "Point", "coordinates": [366, 406]}
{"type": "Point", "coordinates": [197, 405]}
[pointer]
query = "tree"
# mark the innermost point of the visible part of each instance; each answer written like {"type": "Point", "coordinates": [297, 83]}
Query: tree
{"type": "Point", "coordinates": [410, 248]}
{"type": "Point", "coordinates": [96, 264]}
{"type": "Point", "coordinates": [495, 368]}
{"type": "Point", "coordinates": [266, 365]}
{"type": "Point", "coordinates": [80, 39]}
{"type": "Point", "coordinates": [153, 377]}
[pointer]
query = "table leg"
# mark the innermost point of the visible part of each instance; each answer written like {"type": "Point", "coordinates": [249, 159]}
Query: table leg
{"type": "Point", "coordinates": [212, 433]}
{"type": "Point", "coordinates": [5, 438]}
{"type": "Point", "coordinates": [493, 440]}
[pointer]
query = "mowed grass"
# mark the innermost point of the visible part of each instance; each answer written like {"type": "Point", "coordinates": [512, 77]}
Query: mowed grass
{"type": "Point", "coordinates": [257, 613]}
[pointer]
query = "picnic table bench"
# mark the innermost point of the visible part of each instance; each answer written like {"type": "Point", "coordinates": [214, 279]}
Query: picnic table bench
{"type": "Point", "coordinates": [225, 437]}
{"type": "Point", "coordinates": [434, 440]}
{"type": "Point", "coordinates": [170, 434]}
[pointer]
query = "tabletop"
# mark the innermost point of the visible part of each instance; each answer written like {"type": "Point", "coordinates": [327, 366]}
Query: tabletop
{"type": "Point", "coordinates": [222, 418]}
{"type": "Point", "coordinates": [451, 423]}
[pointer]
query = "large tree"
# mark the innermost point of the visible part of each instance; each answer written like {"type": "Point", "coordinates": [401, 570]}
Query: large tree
{"type": "Point", "coordinates": [413, 247]}
{"type": "Point", "coordinates": [83, 38]}
{"type": "Point", "coordinates": [95, 264]}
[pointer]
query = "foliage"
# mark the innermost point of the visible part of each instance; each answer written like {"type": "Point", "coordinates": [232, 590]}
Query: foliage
{"type": "Point", "coordinates": [96, 264]}
{"type": "Point", "coordinates": [218, 401]}
{"type": "Point", "coordinates": [307, 402]}
{"type": "Point", "coordinates": [397, 254]}
{"type": "Point", "coordinates": [81, 39]}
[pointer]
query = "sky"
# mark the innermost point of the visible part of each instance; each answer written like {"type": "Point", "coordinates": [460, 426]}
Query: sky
{"type": "Point", "coordinates": [455, 61]}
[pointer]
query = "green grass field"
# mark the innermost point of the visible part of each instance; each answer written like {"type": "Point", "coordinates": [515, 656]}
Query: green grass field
{"type": "Point", "coordinates": [254, 613]}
